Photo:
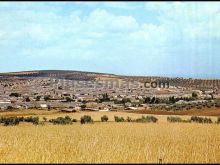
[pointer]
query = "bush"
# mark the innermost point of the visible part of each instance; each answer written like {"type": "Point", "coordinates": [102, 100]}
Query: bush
{"type": "Point", "coordinates": [10, 107]}
{"type": "Point", "coordinates": [38, 98]}
{"type": "Point", "coordinates": [199, 106]}
{"type": "Point", "coordinates": [147, 119]}
{"type": "Point", "coordinates": [119, 119]}
{"type": "Point", "coordinates": [129, 119]}
{"type": "Point", "coordinates": [194, 95]}
{"type": "Point", "coordinates": [74, 120]}
{"type": "Point", "coordinates": [61, 120]}
{"type": "Point", "coordinates": [217, 105]}
{"type": "Point", "coordinates": [209, 105]}
{"type": "Point", "coordinates": [34, 120]}
{"type": "Point", "coordinates": [200, 119]}
{"type": "Point", "coordinates": [174, 119]}
{"type": "Point", "coordinates": [104, 118]}
{"type": "Point", "coordinates": [188, 107]}
{"type": "Point", "coordinates": [1, 119]}
{"type": "Point", "coordinates": [15, 95]}
{"type": "Point", "coordinates": [45, 119]}
{"type": "Point", "coordinates": [47, 97]}
{"type": "Point", "coordinates": [27, 99]}
{"type": "Point", "coordinates": [218, 120]}
{"type": "Point", "coordinates": [86, 119]}
{"type": "Point", "coordinates": [83, 106]}
{"type": "Point", "coordinates": [17, 120]}
{"type": "Point", "coordinates": [9, 121]}
{"type": "Point", "coordinates": [21, 118]}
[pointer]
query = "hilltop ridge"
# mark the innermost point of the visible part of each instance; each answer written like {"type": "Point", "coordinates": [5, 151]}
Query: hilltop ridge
{"type": "Point", "coordinates": [91, 76]}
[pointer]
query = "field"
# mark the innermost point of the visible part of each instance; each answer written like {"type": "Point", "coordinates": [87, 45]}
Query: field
{"type": "Point", "coordinates": [109, 142]}
{"type": "Point", "coordinates": [214, 111]}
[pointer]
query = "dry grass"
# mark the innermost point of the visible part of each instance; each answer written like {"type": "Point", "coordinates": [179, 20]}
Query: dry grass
{"type": "Point", "coordinates": [95, 115]}
{"type": "Point", "coordinates": [111, 143]}
{"type": "Point", "coordinates": [108, 142]}
{"type": "Point", "coordinates": [194, 111]}
{"type": "Point", "coordinates": [28, 112]}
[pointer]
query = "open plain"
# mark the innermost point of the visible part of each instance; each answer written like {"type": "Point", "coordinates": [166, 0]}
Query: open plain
{"type": "Point", "coordinates": [109, 142]}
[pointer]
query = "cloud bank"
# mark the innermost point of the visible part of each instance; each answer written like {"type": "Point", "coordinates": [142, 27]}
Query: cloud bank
{"type": "Point", "coordinates": [135, 38]}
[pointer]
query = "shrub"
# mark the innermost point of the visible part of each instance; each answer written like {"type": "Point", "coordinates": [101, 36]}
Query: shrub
{"type": "Point", "coordinates": [74, 120]}
{"type": "Point", "coordinates": [188, 107]}
{"type": "Point", "coordinates": [61, 120]}
{"type": "Point", "coordinates": [119, 119]}
{"type": "Point", "coordinates": [217, 105]}
{"type": "Point", "coordinates": [1, 119]}
{"type": "Point", "coordinates": [83, 106]}
{"type": "Point", "coordinates": [86, 119]}
{"type": "Point", "coordinates": [15, 95]}
{"type": "Point", "coordinates": [186, 121]}
{"type": "Point", "coordinates": [194, 95]}
{"type": "Point", "coordinates": [200, 119]}
{"type": "Point", "coordinates": [68, 118]}
{"type": "Point", "coordinates": [199, 106]}
{"type": "Point", "coordinates": [10, 107]}
{"type": "Point", "coordinates": [129, 119]}
{"type": "Point", "coordinates": [10, 121]}
{"type": "Point", "coordinates": [27, 99]}
{"type": "Point", "coordinates": [174, 119]}
{"type": "Point", "coordinates": [45, 119]}
{"type": "Point", "coordinates": [147, 119]}
{"type": "Point", "coordinates": [34, 120]}
{"type": "Point", "coordinates": [20, 119]}
{"type": "Point", "coordinates": [68, 99]}
{"type": "Point", "coordinates": [38, 98]}
{"type": "Point", "coordinates": [104, 118]}
{"type": "Point", "coordinates": [47, 97]}
{"type": "Point", "coordinates": [218, 120]}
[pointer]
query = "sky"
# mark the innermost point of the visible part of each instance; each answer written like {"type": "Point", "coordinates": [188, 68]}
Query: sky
{"type": "Point", "coordinates": [177, 39]}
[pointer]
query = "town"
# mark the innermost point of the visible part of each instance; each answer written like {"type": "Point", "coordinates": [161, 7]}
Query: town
{"type": "Point", "coordinates": [99, 95]}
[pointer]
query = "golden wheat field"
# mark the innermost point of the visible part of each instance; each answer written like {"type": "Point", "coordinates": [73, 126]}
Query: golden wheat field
{"type": "Point", "coordinates": [109, 142]}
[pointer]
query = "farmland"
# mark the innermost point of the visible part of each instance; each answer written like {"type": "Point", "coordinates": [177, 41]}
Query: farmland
{"type": "Point", "coordinates": [109, 142]}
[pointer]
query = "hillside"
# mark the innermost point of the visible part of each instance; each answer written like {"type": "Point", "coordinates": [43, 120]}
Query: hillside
{"type": "Point", "coordinates": [90, 76]}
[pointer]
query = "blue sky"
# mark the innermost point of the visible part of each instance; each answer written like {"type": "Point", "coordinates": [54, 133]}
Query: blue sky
{"type": "Point", "coordinates": [131, 38]}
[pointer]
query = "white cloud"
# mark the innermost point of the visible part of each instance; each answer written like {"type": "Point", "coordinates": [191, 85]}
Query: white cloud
{"type": "Point", "coordinates": [98, 33]}
{"type": "Point", "coordinates": [100, 19]}
{"type": "Point", "coordinates": [191, 20]}
{"type": "Point", "coordinates": [150, 35]}
{"type": "Point", "coordinates": [121, 5]}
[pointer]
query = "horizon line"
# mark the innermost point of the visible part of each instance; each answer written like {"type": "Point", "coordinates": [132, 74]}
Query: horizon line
{"type": "Point", "coordinates": [163, 76]}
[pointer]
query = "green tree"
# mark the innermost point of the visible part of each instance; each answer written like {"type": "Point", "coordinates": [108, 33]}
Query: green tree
{"type": "Point", "coordinates": [126, 100]}
{"type": "Point", "coordinates": [86, 119]}
{"type": "Point", "coordinates": [152, 100]}
{"type": "Point", "coordinates": [15, 95]}
{"type": "Point", "coordinates": [38, 98]}
{"type": "Point", "coordinates": [47, 97]}
{"type": "Point", "coordinates": [27, 99]}
{"type": "Point", "coordinates": [147, 100]}
{"type": "Point", "coordinates": [194, 95]}
{"type": "Point", "coordinates": [104, 118]}
{"type": "Point", "coordinates": [83, 106]}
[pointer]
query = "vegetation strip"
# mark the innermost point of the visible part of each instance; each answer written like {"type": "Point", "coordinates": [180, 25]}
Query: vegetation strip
{"type": "Point", "coordinates": [86, 119]}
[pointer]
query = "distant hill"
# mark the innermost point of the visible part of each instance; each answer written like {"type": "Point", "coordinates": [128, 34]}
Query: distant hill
{"type": "Point", "coordinates": [63, 74]}
{"type": "Point", "coordinates": [90, 76]}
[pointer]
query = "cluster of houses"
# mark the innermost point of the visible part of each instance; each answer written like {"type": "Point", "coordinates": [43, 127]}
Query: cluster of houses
{"type": "Point", "coordinates": [43, 93]}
